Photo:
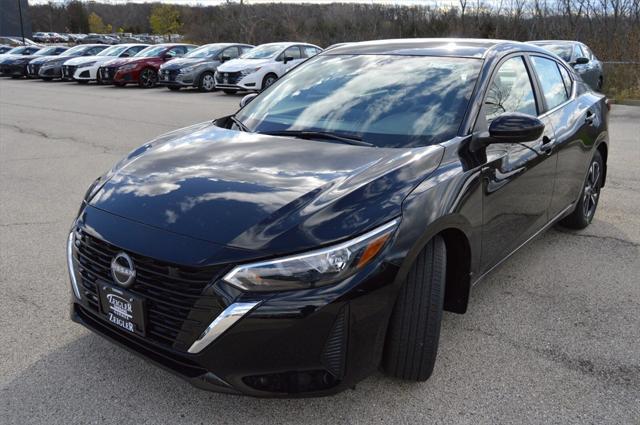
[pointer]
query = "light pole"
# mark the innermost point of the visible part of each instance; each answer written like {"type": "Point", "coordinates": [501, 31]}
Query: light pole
{"type": "Point", "coordinates": [21, 25]}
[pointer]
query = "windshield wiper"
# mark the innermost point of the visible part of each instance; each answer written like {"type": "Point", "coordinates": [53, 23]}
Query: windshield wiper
{"type": "Point", "coordinates": [239, 123]}
{"type": "Point", "coordinates": [302, 134]}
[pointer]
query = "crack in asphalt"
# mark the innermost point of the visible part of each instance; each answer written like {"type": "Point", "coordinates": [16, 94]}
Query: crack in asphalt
{"type": "Point", "coordinates": [47, 136]}
{"type": "Point", "coordinates": [622, 374]}
{"type": "Point", "coordinates": [28, 223]}
{"type": "Point", "coordinates": [101, 116]}
{"type": "Point", "coordinates": [611, 238]}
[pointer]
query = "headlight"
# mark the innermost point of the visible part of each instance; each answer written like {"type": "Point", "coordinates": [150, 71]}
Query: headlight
{"type": "Point", "coordinates": [187, 69]}
{"type": "Point", "coordinates": [126, 68]}
{"type": "Point", "coordinates": [245, 72]}
{"type": "Point", "coordinates": [316, 268]}
{"type": "Point", "coordinates": [83, 65]}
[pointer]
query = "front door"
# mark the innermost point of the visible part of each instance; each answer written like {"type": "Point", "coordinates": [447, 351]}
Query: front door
{"type": "Point", "coordinates": [518, 178]}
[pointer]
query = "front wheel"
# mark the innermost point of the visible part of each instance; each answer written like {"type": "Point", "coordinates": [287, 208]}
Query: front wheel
{"type": "Point", "coordinates": [148, 78]}
{"type": "Point", "coordinates": [206, 82]}
{"type": "Point", "coordinates": [588, 202]}
{"type": "Point", "coordinates": [174, 88]}
{"type": "Point", "coordinates": [268, 80]}
{"type": "Point", "coordinates": [414, 328]}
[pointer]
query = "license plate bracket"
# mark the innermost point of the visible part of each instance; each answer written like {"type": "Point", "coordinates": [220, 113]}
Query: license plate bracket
{"type": "Point", "coordinates": [122, 309]}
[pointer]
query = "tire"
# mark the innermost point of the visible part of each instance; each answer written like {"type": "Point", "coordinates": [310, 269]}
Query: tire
{"type": "Point", "coordinates": [411, 346]}
{"type": "Point", "coordinates": [230, 91]}
{"type": "Point", "coordinates": [47, 78]}
{"type": "Point", "coordinates": [587, 204]}
{"type": "Point", "coordinates": [206, 82]}
{"type": "Point", "coordinates": [174, 88]}
{"type": "Point", "coordinates": [82, 81]}
{"type": "Point", "coordinates": [148, 78]}
{"type": "Point", "coordinates": [268, 80]}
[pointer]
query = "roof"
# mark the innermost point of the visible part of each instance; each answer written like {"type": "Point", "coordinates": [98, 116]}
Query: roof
{"type": "Point", "coordinates": [452, 47]}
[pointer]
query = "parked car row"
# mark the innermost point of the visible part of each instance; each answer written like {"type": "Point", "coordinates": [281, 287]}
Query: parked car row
{"type": "Point", "coordinates": [230, 67]}
{"type": "Point", "coordinates": [92, 38]}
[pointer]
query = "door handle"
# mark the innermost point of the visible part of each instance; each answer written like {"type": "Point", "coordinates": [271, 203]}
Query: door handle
{"type": "Point", "coordinates": [589, 118]}
{"type": "Point", "coordinates": [547, 144]}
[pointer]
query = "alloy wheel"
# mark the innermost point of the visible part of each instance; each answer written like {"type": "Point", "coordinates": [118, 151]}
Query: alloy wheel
{"type": "Point", "coordinates": [591, 191]}
{"type": "Point", "coordinates": [148, 78]}
{"type": "Point", "coordinates": [207, 82]}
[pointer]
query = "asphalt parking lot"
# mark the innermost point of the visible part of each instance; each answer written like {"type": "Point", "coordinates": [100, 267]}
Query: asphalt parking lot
{"type": "Point", "coordinates": [552, 336]}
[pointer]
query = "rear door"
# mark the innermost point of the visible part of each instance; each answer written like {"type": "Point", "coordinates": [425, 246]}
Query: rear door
{"type": "Point", "coordinates": [518, 178]}
{"type": "Point", "coordinates": [575, 116]}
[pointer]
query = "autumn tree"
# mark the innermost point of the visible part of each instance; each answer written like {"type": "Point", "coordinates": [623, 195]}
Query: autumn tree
{"type": "Point", "coordinates": [96, 24]}
{"type": "Point", "coordinates": [165, 19]}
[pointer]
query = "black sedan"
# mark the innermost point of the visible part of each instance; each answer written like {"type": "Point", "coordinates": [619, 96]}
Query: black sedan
{"type": "Point", "coordinates": [580, 57]}
{"type": "Point", "coordinates": [16, 67]}
{"type": "Point", "coordinates": [50, 68]}
{"type": "Point", "coordinates": [318, 234]}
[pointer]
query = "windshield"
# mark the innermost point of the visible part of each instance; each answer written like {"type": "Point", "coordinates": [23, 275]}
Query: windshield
{"type": "Point", "coordinates": [205, 51]}
{"type": "Point", "coordinates": [386, 101]}
{"type": "Point", "coordinates": [17, 50]}
{"type": "Point", "coordinates": [263, 52]}
{"type": "Point", "coordinates": [150, 52]}
{"type": "Point", "coordinates": [113, 51]}
{"type": "Point", "coordinates": [562, 50]}
{"type": "Point", "coordinates": [47, 51]}
{"type": "Point", "coordinates": [74, 50]}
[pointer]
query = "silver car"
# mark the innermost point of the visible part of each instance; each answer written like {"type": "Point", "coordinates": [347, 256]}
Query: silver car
{"type": "Point", "coordinates": [197, 68]}
{"type": "Point", "coordinates": [580, 57]}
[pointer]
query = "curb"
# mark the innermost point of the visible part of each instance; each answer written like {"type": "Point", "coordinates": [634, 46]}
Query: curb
{"type": "Point", "coordinates": [628, 102]}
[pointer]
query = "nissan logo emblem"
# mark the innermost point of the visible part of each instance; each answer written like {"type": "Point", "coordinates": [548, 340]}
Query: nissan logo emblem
{"type": "Point", "coordinates": [122, 270]}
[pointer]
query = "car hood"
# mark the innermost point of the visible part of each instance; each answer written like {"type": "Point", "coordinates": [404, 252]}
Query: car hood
{"type": "Point", "coordinates": [83, 59]}
{"type": "Point", "coordinates": [259, 192]}
{"type": "Point", "coordinates": [124, 61]}
{"type": "Point", "coordinates": [51, 60]}
{"type": "Point", "coordinates": [235, 65]}
{"type": "Point", "coordinates": [182, 62]}
{"type": "Point", "coordinates": [42, 59]}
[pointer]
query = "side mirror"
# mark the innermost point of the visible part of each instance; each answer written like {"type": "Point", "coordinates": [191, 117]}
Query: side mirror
{"type": "Point", "coordinates": [513, 127]}
{"type": "Point", "coordinates": [287, 59]}
{"type": "Point", "coordinates": [125, 55]}
{"type": "Point", "coordinates": [581, 61]}
{"type": "Point", "coordinates": [248, 98]}
{"type": "Point", "coordinates": [167, 56]}
{"type": "Point", "coordinates": [224, 58]}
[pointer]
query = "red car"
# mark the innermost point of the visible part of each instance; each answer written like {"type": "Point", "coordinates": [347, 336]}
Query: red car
{"type": "Point", "coordinates": [143, 67]}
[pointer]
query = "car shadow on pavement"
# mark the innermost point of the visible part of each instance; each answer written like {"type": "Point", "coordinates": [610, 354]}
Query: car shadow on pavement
{"type": "Point", "coordinates": [90, 380]}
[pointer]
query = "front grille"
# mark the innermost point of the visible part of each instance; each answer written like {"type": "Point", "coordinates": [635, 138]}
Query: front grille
{"type": "Point", "coordinates": [170, 74]}
{"type": "Point", "coordinates": [228, 77]}
{"type": "Point", "coordinates": [34, 69]}
{"type": "Point", "coordinates": [178, 305]}
{"type": "Point", "coordinates": [68, 71]}
{"type": "Point", "coordinates": [107, 73]}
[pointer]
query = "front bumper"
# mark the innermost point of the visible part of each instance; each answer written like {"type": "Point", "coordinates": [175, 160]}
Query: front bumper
{"type": "Point", "coordinates": [50, 72]}
{"type": "Point", "coordinates": [297, 343]}
{"type": "Point", "coordinates": [87, 73]}
{"type": "Point", "coordinates": [13, 70]}
{"type": "Point", "coordinates": [237, 81]}
{"type": "Point", "coordinates": [172, 78]}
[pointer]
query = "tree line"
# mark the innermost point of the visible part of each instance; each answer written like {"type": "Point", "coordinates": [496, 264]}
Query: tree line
{"type": "Point", "coordinates": [610, 27]}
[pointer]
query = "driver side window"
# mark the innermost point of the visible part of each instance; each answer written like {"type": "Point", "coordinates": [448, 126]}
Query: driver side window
{"type": "Point", "coordinates": [510, 90]}
{"type": "Point", "coordinates": [293, 52]}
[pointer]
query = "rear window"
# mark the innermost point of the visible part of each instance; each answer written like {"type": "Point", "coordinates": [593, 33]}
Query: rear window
{"type": "Point", "coordinates": [553, 87]}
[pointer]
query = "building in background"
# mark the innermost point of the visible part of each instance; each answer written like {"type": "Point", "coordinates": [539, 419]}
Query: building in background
{"type": "Point", "coordinates": [10, 18]}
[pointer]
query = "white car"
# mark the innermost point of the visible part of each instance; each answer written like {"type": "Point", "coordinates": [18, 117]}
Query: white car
{"type": "Point", "coordinates": [260, 67]}
{"type": "Point", "coordinates": [85, 68]}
